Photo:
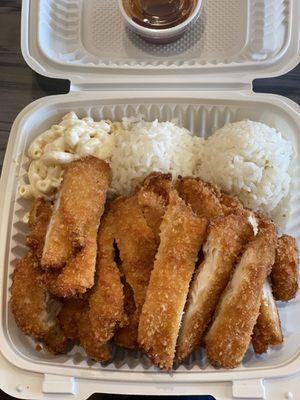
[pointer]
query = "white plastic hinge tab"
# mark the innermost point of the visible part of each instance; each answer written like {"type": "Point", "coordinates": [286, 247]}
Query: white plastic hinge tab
{"type": "Point", "coordinates": [248, 389]}
{"type": "Point", "coordinates": [57, 384]}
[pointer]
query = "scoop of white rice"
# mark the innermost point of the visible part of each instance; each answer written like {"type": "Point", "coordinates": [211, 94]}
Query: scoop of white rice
{"type": "Point", "coordinates": [251, 160]}
{"type": "Point", "coordinates": [142, 147]}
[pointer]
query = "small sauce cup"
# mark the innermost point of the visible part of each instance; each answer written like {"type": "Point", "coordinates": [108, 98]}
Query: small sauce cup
{"type": "Point", "coordinates": [161, 36]}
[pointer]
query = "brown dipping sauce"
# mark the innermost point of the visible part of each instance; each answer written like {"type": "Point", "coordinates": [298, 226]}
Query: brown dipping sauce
{"type": "Point", "coordinates": [159, 14]}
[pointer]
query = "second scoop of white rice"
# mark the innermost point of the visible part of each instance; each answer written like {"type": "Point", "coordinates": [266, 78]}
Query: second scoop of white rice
{"type": "Point", "coordinates": [251, 160]}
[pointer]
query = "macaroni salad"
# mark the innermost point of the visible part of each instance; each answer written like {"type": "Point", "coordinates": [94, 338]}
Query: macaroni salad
{"type": "Point", "coordinates": [71, 139]}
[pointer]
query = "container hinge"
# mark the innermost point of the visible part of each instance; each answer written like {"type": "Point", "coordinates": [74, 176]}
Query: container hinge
{"type": "Point", "coordinates": [57, 384]}
{"type": "Point", "coordinates": [170, 86]}
{"type": "Point", "coordinates": [248, 389]}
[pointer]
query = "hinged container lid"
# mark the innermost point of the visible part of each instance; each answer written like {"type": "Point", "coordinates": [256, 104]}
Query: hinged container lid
{"type": "Point", "coordinates": [233, 42]}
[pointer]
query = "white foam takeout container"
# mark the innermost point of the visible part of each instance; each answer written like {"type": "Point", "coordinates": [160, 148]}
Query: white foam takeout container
{"type": "Point", "coordinates": [205, 80]}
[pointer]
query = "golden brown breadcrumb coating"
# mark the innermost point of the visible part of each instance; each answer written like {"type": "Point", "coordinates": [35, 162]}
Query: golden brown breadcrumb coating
{"type": "Point", "coordinates": [39, 218]}
{"type": "Point", "coordinates": [225, 241]}
{"type": "Point", "coordinates": [201, 196]}
{"type": "Point", "coordinates": [76, 325]}
{"type": "Point", "coordinates": [230, 204]}
{"type": "Point", "coordinates": [106, 302]}
{"type": "Point", "coordinates": [182, 234]}
{"type": "Point", "coordinates": [34, 310]}
{"type": "Point", "coordinates": [93, 348]}
{"type": "Point", "coordinates": [56, 341]}
{"type": "Point", "coordinates": [70, 316]}
{"type": "Point", "coordinates": [153, 198]}
{"type": "Point", "coordinates": [137, 245]}
{"type": "Point", "coordinates": [125, 336]}
{"type": "Point", "coordinates": [78, 274]}
{"type": "Point", "coordinates": [83, 196]}
{"type": "Point", "coordinates": [230, 333]}
{"type": "Point", "coordinates": [81, 202]}
{"type": "Point", "coordinates": [267, 330]}
{"type": "Point", "coordinates": [79, 205]}
{"type": "Point", "coordinates": [57, 248]}
{"type": "Point", "coordinates": [284, 275]}
{"type": "Point", "coordinates": [28, 298]}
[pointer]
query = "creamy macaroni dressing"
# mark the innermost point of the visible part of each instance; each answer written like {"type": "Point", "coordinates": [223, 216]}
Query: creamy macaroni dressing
{"type": "Point", "coordinates": [71, 139]}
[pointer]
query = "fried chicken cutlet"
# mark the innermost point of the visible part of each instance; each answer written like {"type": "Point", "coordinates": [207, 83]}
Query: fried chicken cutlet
{"type": "Point", "coordinates": [76, 325]}
{"type": "Point", "coordinates": [201, 196]}
{"type": "Point", "coordinates": [92, 176]}
{"type": "Point", "coordinates": [79, 204]}
{"type": "Point", "coordinates": [267, 330]}
{"type": "Point", "coordinates": [57, 248]}
{"type": "Point", "coordinates": [93, 347]}
{"type": "Point", "coordinates": [284, 275]}
{"type": "Point", "coordinates": [137, 239]}
{"type": "Point", "coordinates": [78, 274]}
{"type": "Point", "coordinates": [106, 302]}
{"type": "Point", "coordinates": [230, 333]}
{"type": "Point", "coordinates": [89, 179]}
{"type": "Point", "coordinates": [205, 199]}
{"type": "Point", "coordinates": [39, 218]}
{"type": "Point", "coordinates": [34, 310]}
{"type": "Point", "coordinates": [94, 319]}
{"type": "Point", "coordinates": [182, 234]}
{"type": "Point", "coordinates": [137, 245]}
{"type": "Point", "coordinates": [230, 204]}
{"type": "Point", "coordinates": [70, 316]}
{"type": "Point", "coordinates": [153, 198]}
{"type": "Point", "coordinates": [226, 238]}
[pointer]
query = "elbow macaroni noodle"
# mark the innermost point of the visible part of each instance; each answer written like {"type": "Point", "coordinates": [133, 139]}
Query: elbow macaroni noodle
{"type": "Point", "coordinates": [70, 140]}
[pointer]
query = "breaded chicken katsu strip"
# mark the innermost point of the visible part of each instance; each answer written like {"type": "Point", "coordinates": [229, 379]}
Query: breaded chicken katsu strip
{"type": "Point", "coordinates": [30, 303]}
{"type": "Point", "coordinates": [137, 245]}
{"type": "Point", "coordinates": [182, 234]}
{"type": "Point", "coordinates": [34, 310]}
{"type": "Point", "coordinates": [126, 336]}
{"type": "Point", "coordinates": [205, 199]}
{"type": "Point", "coordinates": [39, 218]}
{"type": "Point", "coordinates": [267, 330]}
{"type": "Point", "coordinates": [225, 241]}
{"type": "Point", "coordinates": [284, 275]}
{"type": "Point", "coordinates": [230, 204]}
{"type": "Point", "coordinates": [55, 341]}
{"type": "Point", "coordinates": [106, 302]}
{"type": "Point", "coordinates": [93, 348]}
{"type": "Point", "coordinates": [230, 334]}
{"type": "Point", "coordinates": [83, 196]}
{"type": "Point", "coordinates": [153, 198]}
{"type": "Point", "coordinates": [80, 203]}
{"type": "Point", "coordinates": [201, 196]}
{"type": "Point", "coordinates": [94, 319]}
{"type": "Point", "coordinates": [57, 248]}
{"type": "Point", "coordinates": [76, 325]}
{"type": "Point", "coordinates": [137, 239]}
{"type": "Point", "coordinates": [78, 274]}
{"type": "Point", "coordinates": [70, 316]}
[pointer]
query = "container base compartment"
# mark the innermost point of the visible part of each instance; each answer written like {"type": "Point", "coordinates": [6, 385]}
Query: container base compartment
{"type": "Point", "coordinates": [202, 114]}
